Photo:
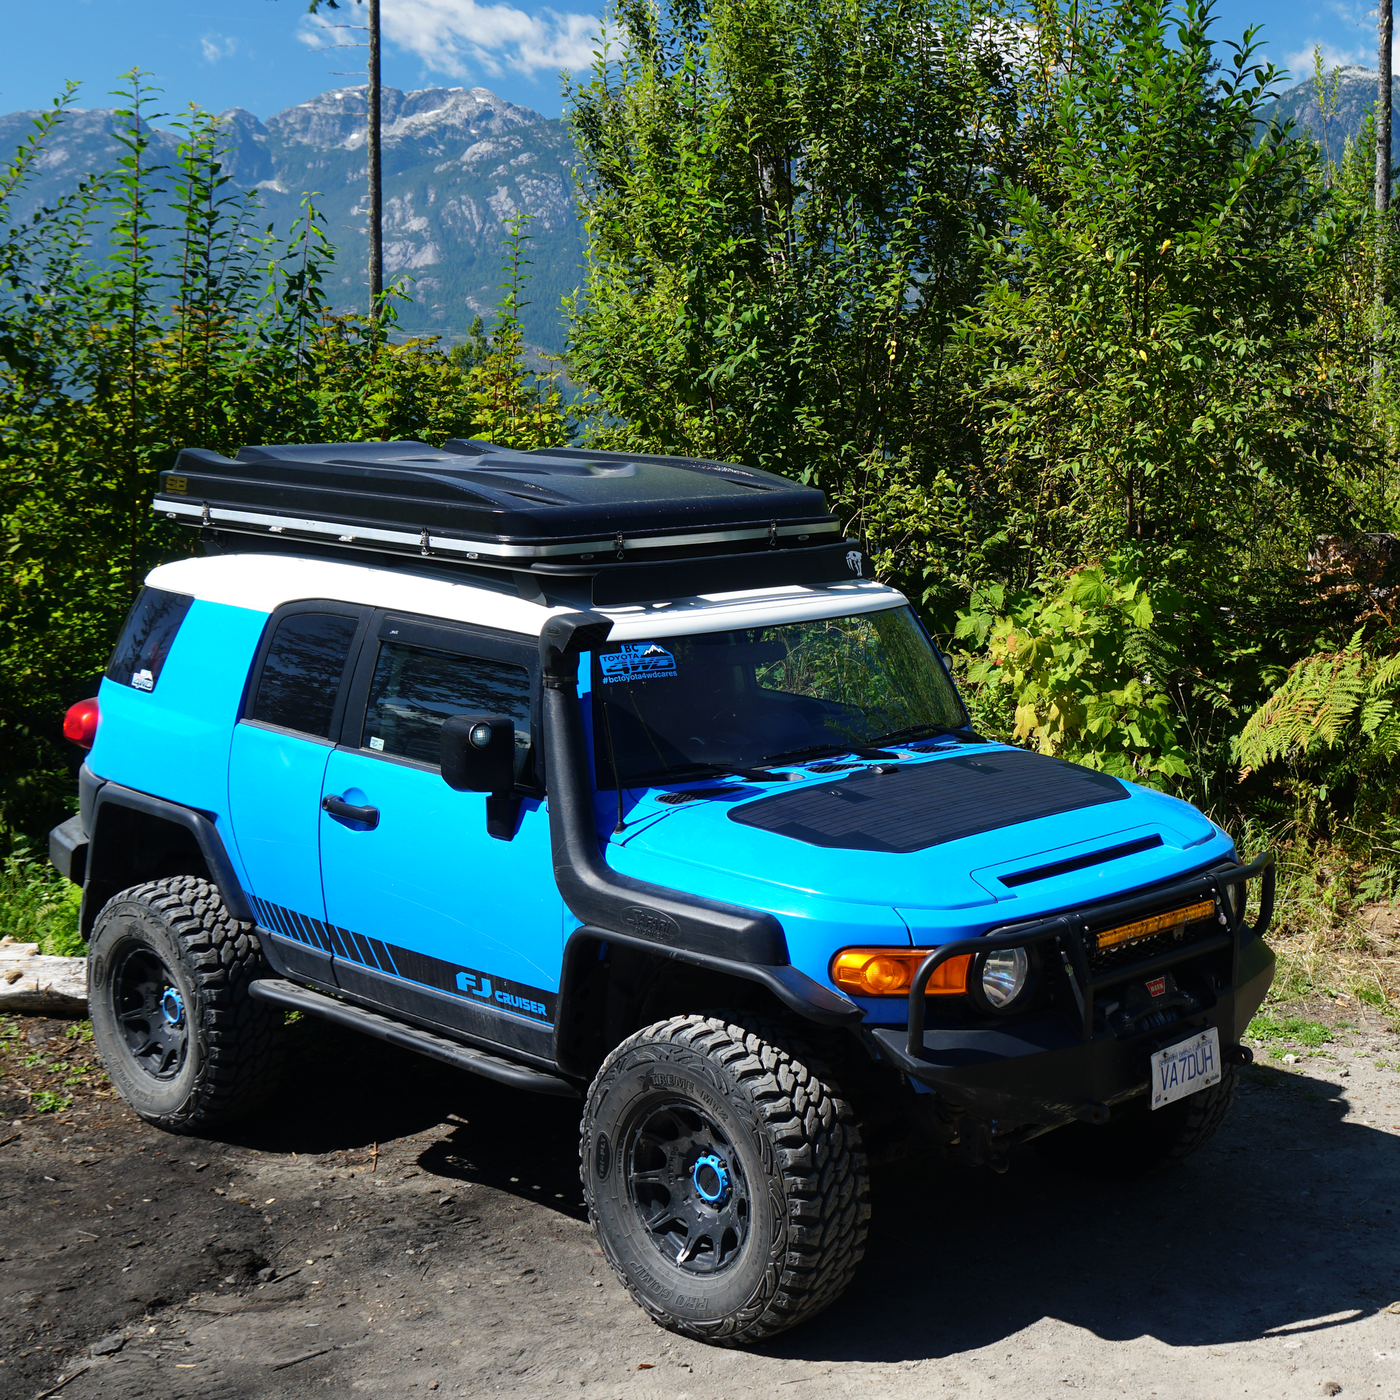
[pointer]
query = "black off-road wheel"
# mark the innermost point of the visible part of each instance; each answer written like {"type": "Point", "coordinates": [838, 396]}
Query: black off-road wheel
{"type": "Point", "coordinates": [1138, 1142]}
{"type": "Point", "coordinates": [724, 1176]}
{"type": "Point", "coordinates": [168, 975]}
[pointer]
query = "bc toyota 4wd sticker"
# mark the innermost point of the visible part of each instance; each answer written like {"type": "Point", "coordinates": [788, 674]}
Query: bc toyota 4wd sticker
{"type": "Point", "coordinates": [637, 661]}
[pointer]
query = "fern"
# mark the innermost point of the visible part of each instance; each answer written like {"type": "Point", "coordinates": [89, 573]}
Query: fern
{"type": "Point", "coordinates": [1311, 710]}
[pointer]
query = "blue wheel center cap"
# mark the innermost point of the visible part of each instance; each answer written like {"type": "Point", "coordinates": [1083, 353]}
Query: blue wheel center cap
{"type": "Point", "coordinates": [711, 1178]}
{"type": "Point", "coordinates": [173, 1007]}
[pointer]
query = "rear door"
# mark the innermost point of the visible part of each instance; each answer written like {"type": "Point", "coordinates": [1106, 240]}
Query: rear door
{"type": "Point", "coordinates": [439, 919]}
{"type": "Point", "coordinates": [292, 713]}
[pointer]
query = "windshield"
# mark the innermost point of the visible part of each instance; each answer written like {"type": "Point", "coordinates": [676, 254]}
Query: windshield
{"type": "Point", "coordinates": [673, 707]}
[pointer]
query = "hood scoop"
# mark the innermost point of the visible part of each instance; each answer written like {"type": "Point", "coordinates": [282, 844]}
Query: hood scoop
{"type": "Point", "coordinates": [1065, 867]}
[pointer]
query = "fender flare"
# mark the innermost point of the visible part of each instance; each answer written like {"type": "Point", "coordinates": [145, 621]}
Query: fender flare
{"type": "Point", "coordinates": [200, 825]}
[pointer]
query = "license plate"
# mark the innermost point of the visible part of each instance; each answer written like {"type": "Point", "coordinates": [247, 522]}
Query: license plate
{"type": "Point", "coordinates": [1183, 1068]}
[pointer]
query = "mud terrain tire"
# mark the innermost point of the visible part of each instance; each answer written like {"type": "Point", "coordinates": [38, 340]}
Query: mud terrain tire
{"type": "Point", "coordinates": [181, 1038]}
{"type": "Point", "coordinates": [724, 1177]}
{"type": "Point", "coordinates": [1137, 1142]}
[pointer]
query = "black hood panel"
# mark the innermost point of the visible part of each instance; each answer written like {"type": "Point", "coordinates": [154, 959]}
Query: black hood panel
{"type": "Point", "coordinates": [927, 804]}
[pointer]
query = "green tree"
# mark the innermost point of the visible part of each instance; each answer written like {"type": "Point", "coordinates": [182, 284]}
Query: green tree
{"type": "Point", "coordinates": [1143, 358]}
{"type": "Point", "coordinates": [200, 329]}
{"type": "Point", "coordinates": [779, 199]}
{"type": "Point", "coordinates": [512, 405]}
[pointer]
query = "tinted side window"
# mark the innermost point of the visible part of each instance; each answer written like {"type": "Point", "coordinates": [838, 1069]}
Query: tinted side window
{"type": "Point", "coordinates": [415, 689]}
{"type": "Point", "coordinates": [302, 671]}
{"type": "Point", "coordinates": [147, 637]}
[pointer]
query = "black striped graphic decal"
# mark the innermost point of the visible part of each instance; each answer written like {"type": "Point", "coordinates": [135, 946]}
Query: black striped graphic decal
{"type": "Point", "coordinates": [501, 993]}
{"type": "Point", "coordinates": [329, 938]}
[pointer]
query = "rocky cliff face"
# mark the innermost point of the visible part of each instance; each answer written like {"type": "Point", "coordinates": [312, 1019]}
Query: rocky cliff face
{"type": "Point", "coordinates": [457, 162]}
{"type": "Point", "coordinates": [1355, 99]}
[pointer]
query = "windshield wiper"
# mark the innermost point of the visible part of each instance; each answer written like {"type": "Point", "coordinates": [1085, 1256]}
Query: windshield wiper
{"type": "Point", "coordinates": [809, 751]}
{"type": "Point", "coordinates": [913, 731]}
{"type": "Point", "coordinates": [684, 772]}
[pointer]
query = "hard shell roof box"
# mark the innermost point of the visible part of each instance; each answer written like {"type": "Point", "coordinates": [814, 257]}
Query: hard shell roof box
{"type": "Point", "coordinates": [636, 527]}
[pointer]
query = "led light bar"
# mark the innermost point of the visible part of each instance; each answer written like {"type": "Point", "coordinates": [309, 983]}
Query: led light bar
{"type": "Point", "coordinates": [1156, 923]}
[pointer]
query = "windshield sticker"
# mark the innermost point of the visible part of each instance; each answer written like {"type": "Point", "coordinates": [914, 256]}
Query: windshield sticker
{"type": "Point", "coordinates": [637, 661]}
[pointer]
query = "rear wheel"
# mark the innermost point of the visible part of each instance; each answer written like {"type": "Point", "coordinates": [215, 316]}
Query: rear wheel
{"type": "Point", "coordinates": [168, 975]}
{"type": "Point", "coordinates": [1137, 1141]}
{"type": "Point", "coordinates": [724, 1177]}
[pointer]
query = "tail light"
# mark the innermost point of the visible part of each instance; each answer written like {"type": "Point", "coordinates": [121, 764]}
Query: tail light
{"type": "Point", "coordinates": [80, 723]}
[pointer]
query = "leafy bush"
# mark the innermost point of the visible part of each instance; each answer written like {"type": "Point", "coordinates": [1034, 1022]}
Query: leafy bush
{"type": "Point", "coordinates": [37, 905]}
{"type": "Point", "coordinates": [1064, 663]}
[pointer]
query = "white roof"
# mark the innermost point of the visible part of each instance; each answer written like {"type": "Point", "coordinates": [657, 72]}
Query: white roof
{"type": "Point", "coordinates": [263, 582]}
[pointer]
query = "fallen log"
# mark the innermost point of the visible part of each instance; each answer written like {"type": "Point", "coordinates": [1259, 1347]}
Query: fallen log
{"type": "Point", "coordinates": [35, 984]}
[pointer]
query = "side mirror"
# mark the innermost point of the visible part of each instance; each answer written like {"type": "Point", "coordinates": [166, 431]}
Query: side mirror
{"type": "Point", "coordinates": [478, 753]}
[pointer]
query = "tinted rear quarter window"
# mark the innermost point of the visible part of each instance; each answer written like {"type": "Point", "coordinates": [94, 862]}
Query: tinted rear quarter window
{"type": "Point", "coordinates": [146, 638]}
{"type": "Point", "coordinates": [302, 671]}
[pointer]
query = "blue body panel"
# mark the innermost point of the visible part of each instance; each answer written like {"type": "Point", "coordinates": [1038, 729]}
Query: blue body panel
{"type": "Point", "coordinates": [274, 785]}
{"type": "Point", "coordinates": [173, 741]}
{"type": "Point", "coordinates": [830, 899]}
{"type": "Point", "coordinates": [430, 878]}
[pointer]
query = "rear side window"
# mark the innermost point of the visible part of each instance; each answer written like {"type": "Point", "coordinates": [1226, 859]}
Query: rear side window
{"type": "Point", "coordinates": [147, 637]}
{"type": "Point", "coordinates": [302, 670]}
{"type": "Point", "coordinates": [414, 689]}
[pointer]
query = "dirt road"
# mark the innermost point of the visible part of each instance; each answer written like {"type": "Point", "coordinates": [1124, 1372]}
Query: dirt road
{"type": "Point", "coordinates": [290, 1258]}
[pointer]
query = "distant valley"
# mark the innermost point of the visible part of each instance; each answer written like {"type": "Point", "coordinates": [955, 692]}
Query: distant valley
{"type": "Point", "coordinates": [457, 162]}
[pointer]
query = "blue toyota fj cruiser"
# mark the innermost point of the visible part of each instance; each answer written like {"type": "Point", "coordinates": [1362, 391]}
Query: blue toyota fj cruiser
{"type": "Point", "coordinates": [611, 776]}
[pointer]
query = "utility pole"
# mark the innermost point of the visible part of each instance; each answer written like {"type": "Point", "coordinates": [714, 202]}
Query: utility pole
{"type": "Point", "coordinates": [1386, 28]}
{"type": "Point", "coordinates": [376, 188]}
{"type": "Point", "coordinates": [372, 144]}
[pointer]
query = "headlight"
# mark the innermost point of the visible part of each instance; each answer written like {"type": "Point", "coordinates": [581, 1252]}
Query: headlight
{"type": "Point", "coordinates": [1233, 896]}
{"type": "Point", "coordinates": [1003, 976]}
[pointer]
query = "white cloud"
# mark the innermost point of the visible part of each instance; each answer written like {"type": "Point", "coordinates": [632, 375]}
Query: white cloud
{"type": "Point", "coordinates": [1300, 63]}
{"type": "Point", "coordinates": [456, 36]}
{"type": "Point", "coordinates": [217, 46]}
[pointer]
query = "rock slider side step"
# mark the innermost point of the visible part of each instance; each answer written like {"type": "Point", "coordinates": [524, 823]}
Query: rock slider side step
{"type": "Point", "coordinates": [289, 994]}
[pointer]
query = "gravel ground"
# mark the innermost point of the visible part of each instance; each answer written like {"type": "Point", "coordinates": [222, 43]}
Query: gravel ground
{"type": "Point", "coordinates": [389, 1227]}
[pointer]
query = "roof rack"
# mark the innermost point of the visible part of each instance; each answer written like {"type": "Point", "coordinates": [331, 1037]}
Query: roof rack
{"type": "Point", "coordinates": [630, 527]}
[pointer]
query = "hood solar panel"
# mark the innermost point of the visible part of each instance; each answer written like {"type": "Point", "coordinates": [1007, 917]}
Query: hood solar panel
{"type": "Point", "coordinates": [915, 806]}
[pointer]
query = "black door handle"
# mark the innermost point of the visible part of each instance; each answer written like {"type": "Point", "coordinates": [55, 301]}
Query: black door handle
{"type": "Point", "coordinates": [348, 810]}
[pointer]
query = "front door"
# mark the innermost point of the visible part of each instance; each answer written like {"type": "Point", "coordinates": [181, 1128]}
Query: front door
{"type": "Point", "coordinates": [438, 919]}
{"type": "Point", "coordinates": [277, 765]}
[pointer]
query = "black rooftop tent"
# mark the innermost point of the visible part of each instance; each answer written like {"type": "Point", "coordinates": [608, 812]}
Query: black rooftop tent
{"type": "Point", "coordinates": [630, 527]}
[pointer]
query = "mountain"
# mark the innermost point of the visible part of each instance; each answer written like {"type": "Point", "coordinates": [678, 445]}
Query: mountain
{"type": "Point", "coordinates": [1355, 97]}
{"type": "Point", "coordinates": [457, 162]}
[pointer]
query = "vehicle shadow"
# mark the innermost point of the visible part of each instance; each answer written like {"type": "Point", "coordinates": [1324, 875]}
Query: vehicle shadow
{"type": "Point", "coordinates": [367, 1093]}
{"type": "Point", "coordinates": [1281, 1221]}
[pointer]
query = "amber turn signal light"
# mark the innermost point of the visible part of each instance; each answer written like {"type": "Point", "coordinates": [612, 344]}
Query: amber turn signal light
{"type": "Point", "coordinates": [889, 972]}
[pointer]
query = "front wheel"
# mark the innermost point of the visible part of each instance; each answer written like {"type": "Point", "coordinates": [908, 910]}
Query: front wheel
{"type": "Point", "coordinates": [724, 1177]}
{"type": "Point", "coordinates": [181, 1039]}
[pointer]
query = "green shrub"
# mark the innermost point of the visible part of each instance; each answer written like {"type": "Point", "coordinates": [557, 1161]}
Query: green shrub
{"type": "Point", "coordinates": [37, 905]}
{"type": "Point", "coordinates": [1068, 664]}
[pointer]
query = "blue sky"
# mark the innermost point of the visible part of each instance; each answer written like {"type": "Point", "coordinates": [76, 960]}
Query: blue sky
{"type": "Point", "coordinates": [267, 54]}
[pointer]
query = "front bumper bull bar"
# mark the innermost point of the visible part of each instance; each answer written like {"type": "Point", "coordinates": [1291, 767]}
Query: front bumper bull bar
{"type": "Point", "coordinates": [1049, 1067]}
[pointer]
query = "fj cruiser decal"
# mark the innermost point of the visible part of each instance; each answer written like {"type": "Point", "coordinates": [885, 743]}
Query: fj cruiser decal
{"type": "Point", "coordinates": [510, 996]}
{"type": "Point", "coordinates": [637, 661]}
